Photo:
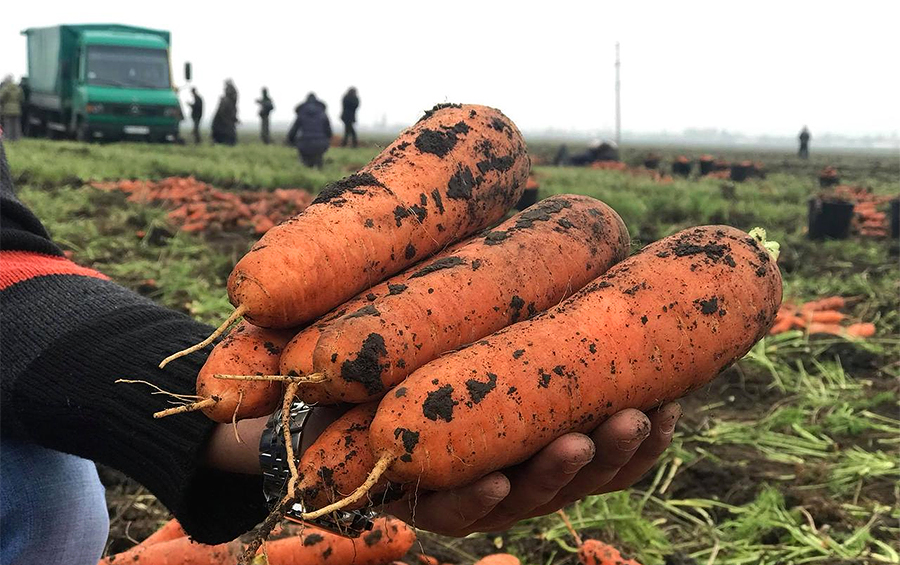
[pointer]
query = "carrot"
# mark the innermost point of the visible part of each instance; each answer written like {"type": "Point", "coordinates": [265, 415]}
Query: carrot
{"type": "Point", "coordinates": [457, 170]}
{"type": "Point", "coordinates": [247, 350]}
{"type": "Point", "coordinates": [339, 460]}
{"type": "Point", "coordinates": [817, 328]}
{"type": "Point", "coordinates": [389, 539]}
{"type": "Point", "coordinates": [529, 263]}
{"type": "Point", "coordinates": [427, 559]}
{"type": "Point", "coordinates": [595, 552]}
{"type": "Point", "coordinates": [499, 559]}
{"type": "Point", "coordinates": [830, 303]}
{"type": "Point", "coordinates": [169, 531]}
{"type": "Point", "coordinates": [782, 325]}
{"type": "Point", "coordinates": [179, 551]}
{"type": "Point", "coordinates": [824, 316]}
{"type": "Point", "coordinates": [654, 327]}
{"type": "Point", "coordinates": [861, 330]}
{"type": "Point", "coordinates": [454, 172]}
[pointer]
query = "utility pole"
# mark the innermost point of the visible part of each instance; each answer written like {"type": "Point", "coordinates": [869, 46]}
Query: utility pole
{"type": "Point", "coordinates": [618, 102]}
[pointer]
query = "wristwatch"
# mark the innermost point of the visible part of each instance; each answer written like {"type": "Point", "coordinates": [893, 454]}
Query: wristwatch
{"type": "Point", "coordinates": [276, 474]}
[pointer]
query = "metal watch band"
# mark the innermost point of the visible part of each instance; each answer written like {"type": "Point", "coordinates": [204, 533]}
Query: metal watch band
{"type": "Point", "coordinates": [276, 474]}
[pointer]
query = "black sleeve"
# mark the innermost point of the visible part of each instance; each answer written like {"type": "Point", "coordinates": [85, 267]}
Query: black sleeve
{"type": "Point", "coordinates": [68, 334]}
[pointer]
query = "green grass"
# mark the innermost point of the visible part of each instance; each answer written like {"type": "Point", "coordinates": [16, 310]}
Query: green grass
{"type": "Point", "coordinates": [790, 457]}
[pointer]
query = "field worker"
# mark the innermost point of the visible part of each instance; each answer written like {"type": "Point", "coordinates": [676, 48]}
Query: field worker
{"type": "Point", "coordinates": [196, 113]}
{"type": "Point", "coordinates": [349, 104]}
{"type": "Point", "coordinates": [26, 98]}
{"type": "Point", "coordinates": [225, 120]}
{"type": "Point", "coordinates": [11, 108]}
{"type": "Point", "coordinates": [69, 333]}
{"type": "Point", "coordinates": [265, 108]}
{"type": "Point", "coordinates": [804, 143]}
{"type": "Point", "coordinates": [311, 131]}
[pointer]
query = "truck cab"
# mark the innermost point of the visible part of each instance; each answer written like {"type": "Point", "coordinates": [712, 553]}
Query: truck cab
{"type": "Point", "coordinates": [102, 82]}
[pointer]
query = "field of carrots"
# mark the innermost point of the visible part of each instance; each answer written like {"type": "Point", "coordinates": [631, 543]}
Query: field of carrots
{"type": "Point", "coordinates": [792, 455]}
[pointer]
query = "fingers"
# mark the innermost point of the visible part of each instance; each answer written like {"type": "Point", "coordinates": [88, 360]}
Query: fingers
{"type": "Point", "coordinates": [663, 428]}
{"type": "Point", "coordinates": [453, 512]}
{"type": "Point", "coordinates": [628, 444]}
{"type": "Point", "coordinates": [617, 440]}
{"type": "Point", "coordinates": [538, 480]}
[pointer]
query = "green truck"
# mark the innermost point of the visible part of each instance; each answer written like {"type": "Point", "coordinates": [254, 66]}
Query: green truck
{"type": "Point", "coordinates": [101, 82]}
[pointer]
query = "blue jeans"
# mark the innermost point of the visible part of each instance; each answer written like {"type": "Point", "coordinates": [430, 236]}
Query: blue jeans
{"type": "Point", "coordinates": [52, 507]}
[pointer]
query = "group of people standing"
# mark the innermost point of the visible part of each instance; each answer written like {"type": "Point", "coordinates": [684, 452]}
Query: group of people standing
{"type": "Point", "coordinates": [310, 132]}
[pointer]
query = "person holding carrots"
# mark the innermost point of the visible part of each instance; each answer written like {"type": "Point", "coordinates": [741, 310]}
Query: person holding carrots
{"type": "Point", "coordinates": [69, 333]}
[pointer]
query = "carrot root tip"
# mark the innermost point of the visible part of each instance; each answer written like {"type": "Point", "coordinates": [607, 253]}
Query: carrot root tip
{"type": "Point", "coordinates": [238, 312]}
{"type": "Point", "coordinates": [192, 407]}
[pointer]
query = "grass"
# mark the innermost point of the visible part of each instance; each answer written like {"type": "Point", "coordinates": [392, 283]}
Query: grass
{"type": "Point", "coordinates": [790, 457]}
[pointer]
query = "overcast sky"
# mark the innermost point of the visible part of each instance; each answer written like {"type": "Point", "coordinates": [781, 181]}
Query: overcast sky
{"type": "Point", "coordinates": [754, 67]}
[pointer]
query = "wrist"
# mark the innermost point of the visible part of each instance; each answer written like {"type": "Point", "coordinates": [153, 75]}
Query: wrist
{"type": "Point", "coordinates": [235, 447]}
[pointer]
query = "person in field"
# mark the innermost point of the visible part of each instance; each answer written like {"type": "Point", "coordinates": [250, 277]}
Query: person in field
{"type": "Point", "coordinates": [225, 120]}
{"type": "Point", "coordinates": [265, 108]}
{"type": "Point", "coordinates": [196, 114]}
{"type": "Point", "coordinates": [69, 333]}
{"type": "Point", "coordinates": [311, 131]}
{"type": "Point", "coordinates": [349, 104]}
{"type": "Point", "coordinates": [26, 100]}
{"type": "Point", "coordinates": [804, 138]}
{"type": "Point", "coordinates": [11, 108]}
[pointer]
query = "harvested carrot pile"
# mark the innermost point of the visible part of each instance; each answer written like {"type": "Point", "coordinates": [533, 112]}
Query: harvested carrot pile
{"type": "Point", "coordinates": [868, 220]}
{"type": "Point", "coordinates": [637, 171]}
{"type": "Point", "coordinates": [821, 316]}
{"type": "Point", "coordinates": [196, 206]}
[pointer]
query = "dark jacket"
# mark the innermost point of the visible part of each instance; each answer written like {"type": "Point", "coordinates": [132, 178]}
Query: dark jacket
{"type": "Point", "coordinates": [224, 124]}
{"type": "Point", "coordinates": [311, 130]}
{"type": "Point", "coordinates": [64, 329]}
{"type": "Point", "coordinates": [196, 108]}
{"type": "Point", "coordinates": [265, 106]}
{"type": "Point", "coordinates": [350, 103]}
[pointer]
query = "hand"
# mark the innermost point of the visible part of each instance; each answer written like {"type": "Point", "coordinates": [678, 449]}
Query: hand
{"type": "Point", "coordinates": [613, 457]}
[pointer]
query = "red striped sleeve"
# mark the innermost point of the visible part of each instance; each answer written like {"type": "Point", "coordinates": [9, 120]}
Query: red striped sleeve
{"type": "Point", "coordinates": [18, 266]}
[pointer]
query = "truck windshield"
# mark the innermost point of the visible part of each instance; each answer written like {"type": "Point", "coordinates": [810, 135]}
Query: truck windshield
{"type": "Point", "coordinates": [128, 67]}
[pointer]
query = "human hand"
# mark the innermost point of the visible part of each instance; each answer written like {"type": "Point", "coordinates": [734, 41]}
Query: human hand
{"type": "Point", "coordinates": [613, 457]}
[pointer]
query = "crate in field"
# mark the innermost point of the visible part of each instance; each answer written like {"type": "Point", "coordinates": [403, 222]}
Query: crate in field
{"type": "Point", "coordinates": [829, 218]}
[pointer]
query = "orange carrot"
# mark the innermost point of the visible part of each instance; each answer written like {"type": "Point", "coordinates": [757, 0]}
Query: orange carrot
{"type": "Point", "coordinates": [824, 316]}
{"type": "Point", "coordinates": [861, 330]}
{"type": "Point", "coordinates": [499, 559]}
{"type": "Point", "coordinates": [247, 350]}
{"type": "Point", "coordinates": [830, 303]}
{"type": "Point", "coordinates": [817, 328]}
{"type": "Point", "coordinates": [685, 307]}
{"type": "Point", "coordinates": [457, 170]}
{"type": "Point", "coordinates": [656, 326]}
{"type": "Point", "coordinates": [389, 539]}
{"type": "Point", "coordinates": [179, 551]}
{"type": "Point", "coordinates": [169, 531]}
{"type": "Point", "coordinates": [529, 263]}
{"type": "Point", "coordinates": [339, 460]}
{"type": "Point", "coordinates": [427, 559]}
{"type": "Point", "coordinates": [595, 552]}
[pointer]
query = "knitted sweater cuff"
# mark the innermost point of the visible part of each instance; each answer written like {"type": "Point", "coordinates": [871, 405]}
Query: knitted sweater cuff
{"type": "Point", "coordinates": [67, 337]}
